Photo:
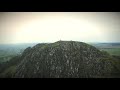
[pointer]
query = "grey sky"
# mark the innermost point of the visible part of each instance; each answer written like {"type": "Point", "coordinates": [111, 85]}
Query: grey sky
{"type": "Point", "coordinates": [30, 27]}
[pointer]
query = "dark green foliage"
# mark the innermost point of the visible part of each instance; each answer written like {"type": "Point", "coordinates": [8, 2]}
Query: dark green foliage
{"type": "Point", "coordinates": [7, 69]}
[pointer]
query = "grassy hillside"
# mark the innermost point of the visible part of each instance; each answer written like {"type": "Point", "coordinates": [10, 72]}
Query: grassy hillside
{"type": "Point", "coordinates": [8, 72]}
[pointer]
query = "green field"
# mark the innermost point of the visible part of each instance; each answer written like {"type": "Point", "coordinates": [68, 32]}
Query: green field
{"type": "Point", "coordinates": [111, 48]}
{"type": "Point", "coordinates": [112, 51]}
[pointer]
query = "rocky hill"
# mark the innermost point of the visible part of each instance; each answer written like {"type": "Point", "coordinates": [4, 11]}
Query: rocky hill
{"type": "Point", "coordinates": [65, 59]}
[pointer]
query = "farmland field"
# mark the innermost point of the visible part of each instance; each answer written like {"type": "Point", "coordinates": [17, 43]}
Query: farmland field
{"type": "Point", "coordinates": [112, 51]}
{"type": "Point", "coordinates": [111, 48]}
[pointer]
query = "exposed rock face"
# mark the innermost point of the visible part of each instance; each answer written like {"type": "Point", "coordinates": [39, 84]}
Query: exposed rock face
{"type": "Point", "coordinates": [63, 59]}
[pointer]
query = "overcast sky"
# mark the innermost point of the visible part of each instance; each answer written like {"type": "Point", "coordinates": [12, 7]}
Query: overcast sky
{"type": "Point", "coordinates": [31, 27]}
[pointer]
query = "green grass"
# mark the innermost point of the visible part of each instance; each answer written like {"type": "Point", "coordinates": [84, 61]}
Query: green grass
{"type": "Point", "coordinates": [112, 51]}
{"type": "Point", "coordinates": [8, 72]}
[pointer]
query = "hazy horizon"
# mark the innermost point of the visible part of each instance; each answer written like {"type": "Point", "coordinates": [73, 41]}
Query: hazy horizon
{"type": "Point", "coordinates": [44, 27]}
{"type": "Point", "coordinates": [49, 42]}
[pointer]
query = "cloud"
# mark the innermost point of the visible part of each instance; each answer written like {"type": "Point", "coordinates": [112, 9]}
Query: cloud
{"type": "Point", "coordinates": [23, 27]}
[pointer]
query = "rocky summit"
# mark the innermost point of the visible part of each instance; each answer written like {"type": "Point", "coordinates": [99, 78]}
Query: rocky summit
{"type": "Point", "coordinates": [64, 59]}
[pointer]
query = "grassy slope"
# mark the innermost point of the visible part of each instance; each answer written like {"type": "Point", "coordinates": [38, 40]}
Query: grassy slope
{"type": "Point", "coordinates": [8, 72]}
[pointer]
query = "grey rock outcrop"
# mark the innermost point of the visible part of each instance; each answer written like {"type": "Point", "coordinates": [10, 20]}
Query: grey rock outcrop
{"type": "Point", "coordinates": [64, 59]}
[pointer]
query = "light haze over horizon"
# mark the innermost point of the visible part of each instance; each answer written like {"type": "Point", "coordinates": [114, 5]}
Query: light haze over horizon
{"type": "Point", "coordinates": [37, 27]}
